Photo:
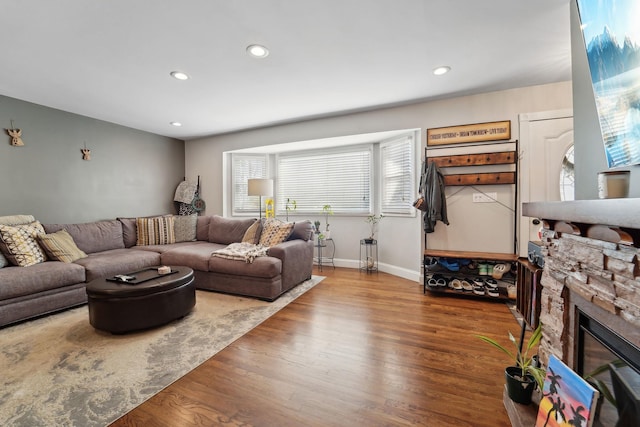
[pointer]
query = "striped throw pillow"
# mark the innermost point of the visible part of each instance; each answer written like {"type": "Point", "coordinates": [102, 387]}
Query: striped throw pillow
{"type": "Point", "coordinates": [60, 246]}
{"type": "Point", "coordinates": [157, 230]}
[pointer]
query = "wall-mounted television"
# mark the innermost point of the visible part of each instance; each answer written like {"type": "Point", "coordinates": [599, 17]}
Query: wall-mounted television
{"type": "Point", "coordinates": [611, 33]}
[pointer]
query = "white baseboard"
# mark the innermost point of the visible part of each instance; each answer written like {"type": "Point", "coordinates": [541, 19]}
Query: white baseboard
{"type": "Point", "coordinates": [386, 268]}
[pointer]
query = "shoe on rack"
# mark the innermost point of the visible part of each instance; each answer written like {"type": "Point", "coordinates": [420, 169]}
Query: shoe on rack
{"type": "Point", "coordinates": [430, 262]}
{"type": "Point", "coordinates": [437, 281]}
{"type": "Point", "coordinates": [490, 269]}
{"type": "Point", "coordinates": [466, 285]}
{"type": "Point", "coordinates": [482, 268]}
{"type": "Point", "coordinates": [493, 292]}
{"type": "Point", "coordinates": [478, 289]}
{"type": "Point", "coordinates": [499, 270]}
{"type": "Point", "coordinates": [490, 283]}
{"type": "Point", "coordinates": [450, 264]}
{"type": "Point", "coordinates": [455, 284]}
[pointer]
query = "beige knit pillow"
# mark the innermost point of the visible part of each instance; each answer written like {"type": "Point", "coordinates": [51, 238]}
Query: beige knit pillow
{"type": "Point", "coordinates": [252, 235]}
{"type": "Point", "coordinates": [275, 231]}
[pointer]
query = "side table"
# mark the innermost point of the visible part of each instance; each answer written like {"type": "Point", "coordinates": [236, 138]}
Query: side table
{"type": "Point", "coordinates": [369, 255]}
{"type": "Point", "coordinates": [329, 248]}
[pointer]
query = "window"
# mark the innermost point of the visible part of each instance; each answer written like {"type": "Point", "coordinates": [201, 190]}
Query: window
{"type": "Point", "coordinates": [243, 167]}
{"type": "Point", "coordinates": [337, 177]}
{"type": "Point", "coordinates": [397, 176]}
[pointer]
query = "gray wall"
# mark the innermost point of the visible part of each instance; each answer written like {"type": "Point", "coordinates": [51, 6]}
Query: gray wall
{"type": "Point", "coordinates": [131, 173]}
{"type": "Point", "coordinates": [589, 153]}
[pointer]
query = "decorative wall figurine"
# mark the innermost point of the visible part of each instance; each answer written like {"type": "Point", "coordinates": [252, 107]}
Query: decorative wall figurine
{"type": "Point", "coordinates": [16, 135]}
{"type": "Point", "coordinates": [86, 153]}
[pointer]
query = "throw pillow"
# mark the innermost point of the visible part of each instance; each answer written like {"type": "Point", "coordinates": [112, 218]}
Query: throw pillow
{"type": "Point", "coordinates": [12, 220]}
{"type": "Point", "coordinates": [60, 246]}
{"type": "Point", "coordinates": [20, 245]}
{"type": "Point", "coordinates": [155, 231]}
{"type": "Point", "coordinates": [275, 231]}
{"type": "Point", "coordinates": [185, 227]}
{"type": "Point", "coordinates": [252, 235]}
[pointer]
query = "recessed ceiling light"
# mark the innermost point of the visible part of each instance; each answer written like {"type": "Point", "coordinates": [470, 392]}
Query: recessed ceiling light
{"type": "Point", "coordinates": [179, 75]}
{"type": "Point", "coordinates": [441, 70]}
{"type": "Point", "coordinates": [257, 51]}
{"type": "Point", "coordinates": [176, 124]}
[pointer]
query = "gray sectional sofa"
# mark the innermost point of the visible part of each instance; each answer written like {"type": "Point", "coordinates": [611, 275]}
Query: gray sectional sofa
{"type": "Point", "coordinates": [110, 246]}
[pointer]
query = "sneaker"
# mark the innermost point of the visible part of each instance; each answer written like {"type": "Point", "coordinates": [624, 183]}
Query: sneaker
{"type": "Point", "coordinates": [482, 268]}
{"type": "Point", "coordinates": [430, 263]}
{"type": "Point", "coordinates": [493, 292]}
{"type": "Point", "coordinates": [478, 289]}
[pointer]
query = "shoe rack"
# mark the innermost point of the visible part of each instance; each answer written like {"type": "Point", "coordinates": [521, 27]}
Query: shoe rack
{"type": "Point", "coordinates": [508, 278]}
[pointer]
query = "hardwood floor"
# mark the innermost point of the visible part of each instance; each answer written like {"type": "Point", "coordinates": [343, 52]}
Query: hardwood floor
{"type": "Point", "coordinates": [356, 350]}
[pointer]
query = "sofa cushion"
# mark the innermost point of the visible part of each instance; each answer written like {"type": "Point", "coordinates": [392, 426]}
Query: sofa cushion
{"type": "Point", "coordinates": [38, 278]}
{"type": "Point", "coordinates": [195, 256]}
{"type": "Point", "coordinates": [129, 231]}
{"type": "Point", "coordinates": [262, 267]}
{"type": "Point", "coordinates": [202, 228]}
{"type": "Point", "coordinates": [20, 245]}
{"type": "Point", "coordinates": [12, 220]}
{"type": "Point", "coordinates": [185, 227]}
{"type": "Point", "coordinates": [155, 231]}
{"type": "Point", "coordinates": [117, 261]}
{"type": "Point", "coordinates": [60, 246]}
{"type": "Point", "coordinates": [275, 231]}
{"type": "Point", "coordinates": [92, 237]}
{"type": "Point", "coordinates": [228, 230]}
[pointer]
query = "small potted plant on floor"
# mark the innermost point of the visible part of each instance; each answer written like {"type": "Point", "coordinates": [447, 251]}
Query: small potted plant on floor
{"type": "Point", "coordinates": [524, 375]}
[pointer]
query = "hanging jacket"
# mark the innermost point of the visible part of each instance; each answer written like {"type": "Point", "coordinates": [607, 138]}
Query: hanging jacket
{"type": "Point", "coordinates": [435, 198]}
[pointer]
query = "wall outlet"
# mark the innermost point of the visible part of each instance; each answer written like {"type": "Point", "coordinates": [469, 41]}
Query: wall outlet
{"type": "Point", "coordinates": [485, 197]}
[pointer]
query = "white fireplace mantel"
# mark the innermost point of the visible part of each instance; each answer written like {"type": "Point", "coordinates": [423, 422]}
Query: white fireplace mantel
{"type": "Point", "coordinates": [613, 212]}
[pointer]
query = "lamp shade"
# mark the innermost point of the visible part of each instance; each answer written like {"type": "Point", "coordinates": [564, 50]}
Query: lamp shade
{"type": "Point", "coordinates": [260, 187]}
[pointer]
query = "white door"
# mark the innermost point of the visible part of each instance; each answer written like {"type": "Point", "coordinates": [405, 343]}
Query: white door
{"type": "Point", "coordinates": [545, 139]}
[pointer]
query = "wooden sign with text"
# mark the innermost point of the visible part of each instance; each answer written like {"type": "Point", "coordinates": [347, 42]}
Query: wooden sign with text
{"type": "Point", "coordinates": [479, 132]}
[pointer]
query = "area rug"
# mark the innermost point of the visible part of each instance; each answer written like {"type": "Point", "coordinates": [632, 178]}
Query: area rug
{"type": "Point", "coordinates": [59, 370]}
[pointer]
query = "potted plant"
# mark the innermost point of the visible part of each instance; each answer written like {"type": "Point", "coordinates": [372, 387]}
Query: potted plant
{"type": "Point", "coordinates": [291, 205]}
{"type": "Point", "coordinates": [316, 226]}
{"type": "Point", "coordinates": [525, 374]}
{"type": "Point", "coordinates": [373, 220]}
{"type": "Point", "coordinates": [326, 211]}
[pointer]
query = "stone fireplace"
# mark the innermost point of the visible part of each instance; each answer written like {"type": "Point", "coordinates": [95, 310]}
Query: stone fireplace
{"type": "Point", "coordinates": [591, 273]}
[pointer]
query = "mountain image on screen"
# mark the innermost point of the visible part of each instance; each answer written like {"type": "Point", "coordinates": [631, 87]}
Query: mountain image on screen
{"type": "Point", "coordinates": [612, 43]}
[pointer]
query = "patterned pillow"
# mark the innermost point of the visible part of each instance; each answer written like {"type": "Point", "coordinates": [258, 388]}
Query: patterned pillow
{"type": "Point", "coordinates": [252, 235]}
{"type": "Point", "coordinates": [12, 220]}
{"type": "Point", "coordinates": [275, 231]}
{"type": "Point", "coordinates": [20, 245]}
{"type": "Point", "coordinates": [60, 246]}
{"type": "Point", "coordinates": [185, 227]}
{"type": "Point", "coordinates": [158, 230]}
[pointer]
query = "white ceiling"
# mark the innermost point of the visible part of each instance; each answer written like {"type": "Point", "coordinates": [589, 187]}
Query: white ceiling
{"type": "Point", "coordinates": [111, 59]}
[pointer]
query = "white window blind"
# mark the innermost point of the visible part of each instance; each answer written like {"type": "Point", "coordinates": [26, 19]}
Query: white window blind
{"type": "Point", "coordinates": [243, 167]}
{"type": "Point", "coordinates": [337, 177]}
{"type": "Point", "coordinates": [397, 176]}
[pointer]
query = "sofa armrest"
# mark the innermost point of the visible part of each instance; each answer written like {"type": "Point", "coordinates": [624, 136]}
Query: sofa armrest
{"type": "Point", "coordinates": [297, 261]}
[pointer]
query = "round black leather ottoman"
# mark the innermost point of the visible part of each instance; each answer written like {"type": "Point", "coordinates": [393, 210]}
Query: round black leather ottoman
{"type": "Point", "coordinates": [119, 307]}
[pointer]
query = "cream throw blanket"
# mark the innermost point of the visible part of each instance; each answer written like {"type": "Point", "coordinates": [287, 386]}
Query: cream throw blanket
{"type": "Point", "coordinates": [246, 252]}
